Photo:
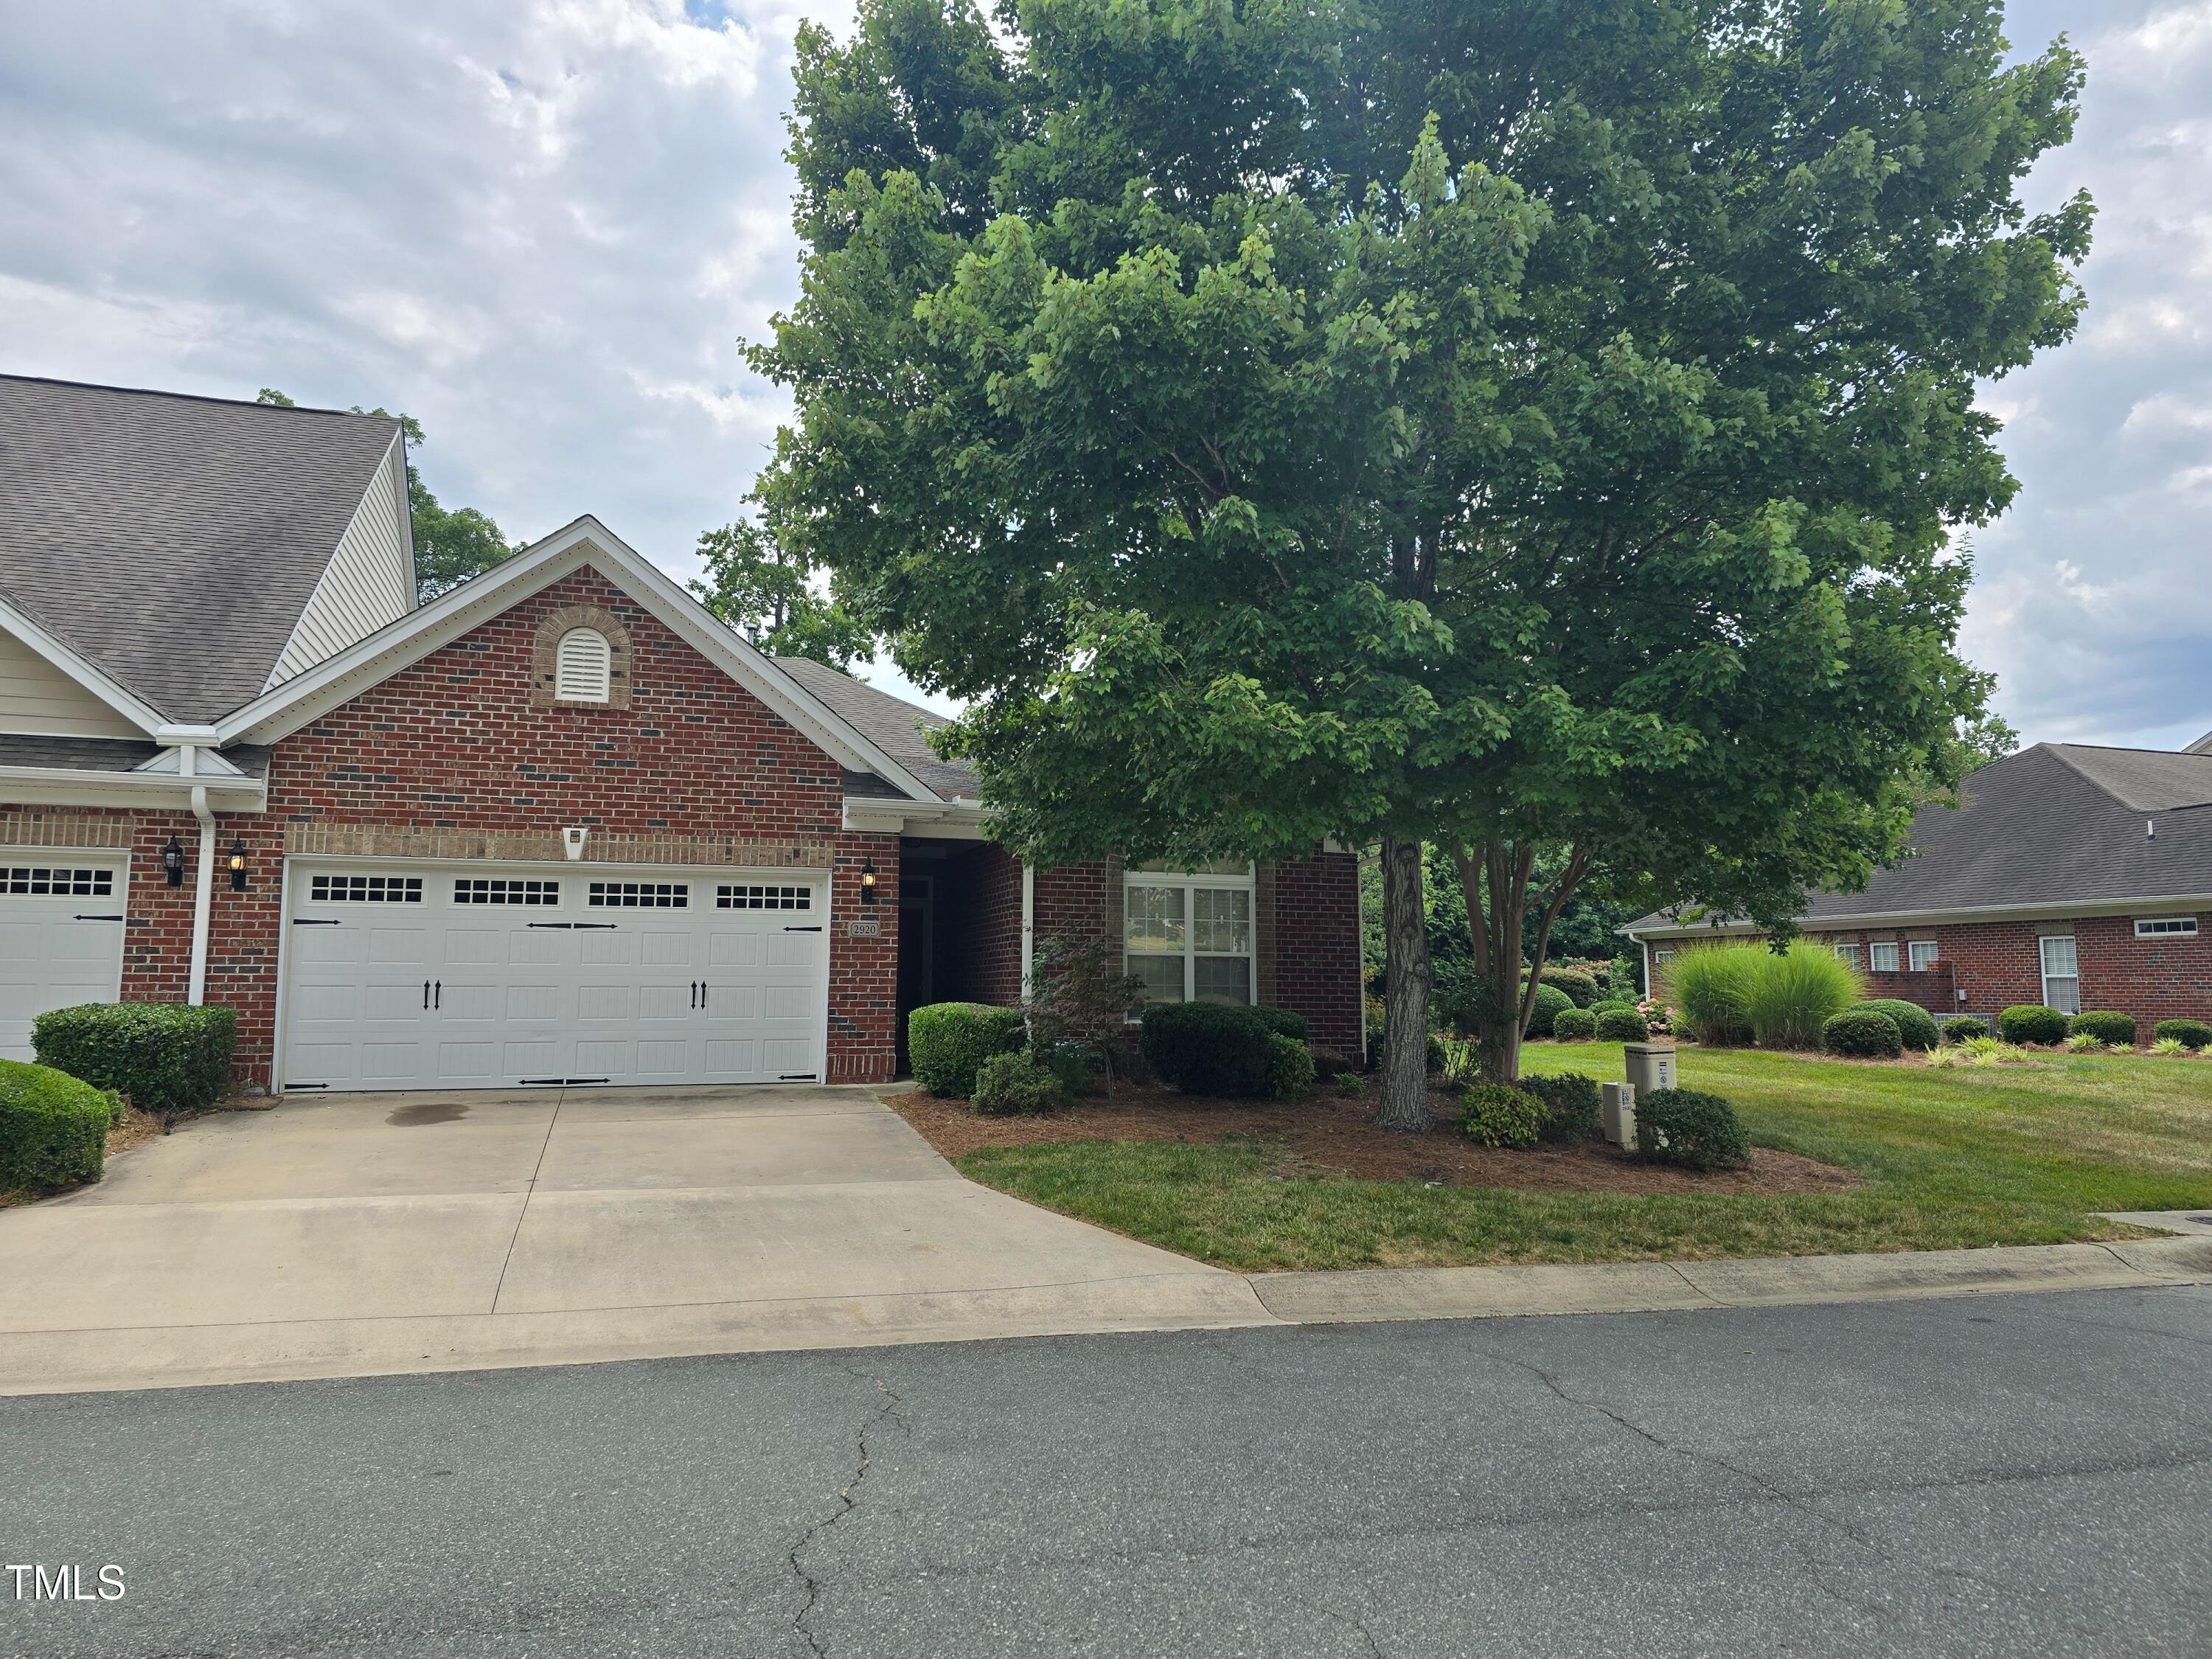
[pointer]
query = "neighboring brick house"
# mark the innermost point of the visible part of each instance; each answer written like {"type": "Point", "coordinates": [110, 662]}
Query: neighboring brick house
{"type": "Point", "coordinates": [2069, 875]}
{"type": "Point", "coordinates": [558, 825]}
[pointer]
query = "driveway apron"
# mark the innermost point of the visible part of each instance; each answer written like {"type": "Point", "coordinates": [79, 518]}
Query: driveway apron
{"type": "Point", "coordinates": [360, 1234]}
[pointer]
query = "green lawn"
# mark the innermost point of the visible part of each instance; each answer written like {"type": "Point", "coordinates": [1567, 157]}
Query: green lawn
{"type": "Point", "coordinates": [1951, 1158]}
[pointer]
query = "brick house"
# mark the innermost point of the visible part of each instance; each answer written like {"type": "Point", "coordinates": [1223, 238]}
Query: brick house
{"type": "Point", "coordinates": [560, 824]}
{"type": "Point", "coordinates": [2069, 875]}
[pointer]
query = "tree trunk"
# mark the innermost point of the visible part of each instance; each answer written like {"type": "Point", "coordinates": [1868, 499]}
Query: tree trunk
{"type": "Point", "coordinates": [1406, 1000]}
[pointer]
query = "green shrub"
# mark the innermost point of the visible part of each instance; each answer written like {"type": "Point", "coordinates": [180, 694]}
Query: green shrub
{"type": "Point", "coordinates": [1792, 995]}
{"type": "Point", "coordinates": [1574, 1025]}
{"type": "Point", "coordinates": [1283, 1023]}
{"type": "Point", "coordinates": [1916, 1026]}
{"type": "Point", "coordinates": [2168, 1046]}
{"type": "Point", "coordinates": [2189, 1033]}
{"type": "Point", "coordinates": [1622, 1025]}
{"type": "Point", "coordinates": [1437, 1061]}
{"type": "Point", "coordinates": [1582, 988]}
{"type": "Point", "coordinates": [1353, 1085]}
{"type": "Point", "coordinates": [1068, 1062]}
{"type": "Point", "coordinates": [2118, 1030]}
{"type": "Point", "coordinates": [946, 1041]}
{"type": "Point", "coordinates": [165, 1056]}
{"type": "Point", "coordinates": [1499, 1114]}
{"type": "Point", "coordinates": [1012, 1084]}
{"type": "Point", "coordinates": [1685, 1127]}
{"type": "Point", "coordinates": [1610, 1003]}
{"type": "Point", "coordinates": [1708, 986]}
{"type": "Point", "coordinates": [1210, 1047]}
{"type": "Point", "coordinates": [1862, 1034]}
{"type": "Point", "coordinates": [1966, 1026]}
{"type": "Point", "coordinates": [1571, 1104]}
{"type": "Point", "coordinates": [53, 1126]}
{"type": "Point", "coordinates": [1290, 1067]}
{"type": "Point", "coordinates": [2027, 1023]}
{"type": "Point", "coordinates": [1550, 1003]}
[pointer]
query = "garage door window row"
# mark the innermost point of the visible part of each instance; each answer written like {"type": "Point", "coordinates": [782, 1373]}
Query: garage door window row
{"type": "Point", "coordinates": [639, 895]}
{"type": "Point", "coordinates": [765, 898]}
{"type": "Point", "coordinates": [36, 881]}
{"type": "Point", "coordinates": [366, 890]}
{"type": "Point", "coordinates": [494, 890]}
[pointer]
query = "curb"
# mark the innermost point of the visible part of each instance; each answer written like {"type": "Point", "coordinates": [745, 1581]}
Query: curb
{"type": "Point", "coordinates": [1375, 1295]}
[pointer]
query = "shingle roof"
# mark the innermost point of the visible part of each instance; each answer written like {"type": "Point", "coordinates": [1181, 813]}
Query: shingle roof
{"type": "Point", "coordinates": [173, 541]}
{"type": "Point", "coordinates": [2054, 826]}
{"type": "Point", "coordinates": [892, 723]}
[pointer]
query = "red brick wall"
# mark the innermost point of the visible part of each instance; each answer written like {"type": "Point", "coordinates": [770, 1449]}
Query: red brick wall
{"type": "Point", "coordinates": [993, 926]}
{"type": "Point", "coordinates": [863, 969]}
{"type": "Point", "coordinates": [1317, 947]}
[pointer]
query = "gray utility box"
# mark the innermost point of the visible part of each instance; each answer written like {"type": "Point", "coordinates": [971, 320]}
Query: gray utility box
{"type": "Point", "coordinates": [1650, 1065]}
{"type": "Point", "coordinates": [1617, 1115]}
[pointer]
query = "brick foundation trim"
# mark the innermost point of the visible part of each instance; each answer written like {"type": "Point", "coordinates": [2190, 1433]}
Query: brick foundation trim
{"type": "Point", "coordinates": [63, 829]}
{"type": "Point", "coordinates": [360, 840]}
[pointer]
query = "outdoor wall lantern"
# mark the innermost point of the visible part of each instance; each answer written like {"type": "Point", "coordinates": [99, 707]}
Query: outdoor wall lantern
{"type": "Point", "coordinates": [173, 860]}
{"type": "Point", "coordinates": [867, 881]}
{"type": "Point", "coordinates": [238, 864]}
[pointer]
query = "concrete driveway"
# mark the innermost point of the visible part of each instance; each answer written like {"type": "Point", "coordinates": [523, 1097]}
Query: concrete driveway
{"type": "Point", "coordinates": [360, 1234]}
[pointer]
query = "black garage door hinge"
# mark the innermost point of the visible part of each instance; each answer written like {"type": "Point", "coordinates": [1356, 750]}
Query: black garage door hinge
{"type": "Point", "coordinates": [316, 921]}
{"type": "Point", "coordinates": [815, 929]}
{"type": "Point", "coordinates": [798, 1077]}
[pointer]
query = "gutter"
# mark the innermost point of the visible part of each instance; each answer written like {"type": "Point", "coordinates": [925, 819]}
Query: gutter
{"type": "Point", "coordinates": [1029, 929]}
{"type": "Point", "coordinates": [204, 895]}
{"type": "Point", "coordinates": [2055, 909]}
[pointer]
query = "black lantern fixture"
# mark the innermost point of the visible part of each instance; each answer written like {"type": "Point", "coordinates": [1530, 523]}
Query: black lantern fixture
{"type": "Point", "coordinates": [173, 861]}
{"type": "Point", "coordinates": [238, 864]}
{"type": "Point", "coordinates": [867, 881]}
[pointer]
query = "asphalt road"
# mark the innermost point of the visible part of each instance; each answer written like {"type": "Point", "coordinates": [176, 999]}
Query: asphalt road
{"type": "Point", "coordinates": [2001, 1475]}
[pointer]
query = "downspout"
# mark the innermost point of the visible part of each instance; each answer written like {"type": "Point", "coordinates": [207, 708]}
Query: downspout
{"type": "Point", "coordinates": [187, 763]}
{"type": "Point", "coordinates": [1029, 928]}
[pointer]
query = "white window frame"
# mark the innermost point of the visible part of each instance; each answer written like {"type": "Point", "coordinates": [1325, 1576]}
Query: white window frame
{"type": "Point", "coordinates": [1661, 958]}
{"type": "Point", "coordinates": [2166, 927]}
{"type": "Point", "coordinates": [2043, 943]}
{"type": "Point", "coordinates": [1854, 954]}
{"type": "Point", "coordinates": [1919, 964]}
{"type": "Point", "coordinates": [1875, 948]}
{"type": "Point", "coordinates": [1189, 881]}
{"type": "Point", "coordinates": [600, 669]}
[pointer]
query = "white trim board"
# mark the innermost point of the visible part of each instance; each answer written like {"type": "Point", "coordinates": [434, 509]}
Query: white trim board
{"type": "Point", "coordinates": [2057, 911]}
{"type": "Point", "coordinates": [279, 712]}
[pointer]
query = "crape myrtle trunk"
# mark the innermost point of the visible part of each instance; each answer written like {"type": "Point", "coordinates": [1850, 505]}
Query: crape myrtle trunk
{"type": "Point", "coordinates": [1406, 995]}
{"type": "Point", "coordinates": [1502, 872]}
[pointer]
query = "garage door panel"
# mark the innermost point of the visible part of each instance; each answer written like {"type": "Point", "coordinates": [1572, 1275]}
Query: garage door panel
{"type": "Point", "coordinates": [79, 945]}
{"type": "Point", "coordinates": [52, 956]}
{"type": "Point", "coordinates": [733, 950]}
{"type": "Point", "coordinates": [394, 945]}
{"type": "Point", "coordinates": [627, 990]}
{"type": "Point", "coordinates": [792, 950]}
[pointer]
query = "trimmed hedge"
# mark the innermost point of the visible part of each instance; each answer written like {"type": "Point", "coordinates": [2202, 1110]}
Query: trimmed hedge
{"type": "Point", "coordinates": [1582, 988]}
{"type": "Point", "coordinates": [2189, 1033]}
{"type": "Point", "coordinates": [163, 1056]}
{"type": "Point", "coordinates": [1210, 1047]}
{"type": "Point", "coordinates": [2118, 1030]}
{"type": "Point", "coordinates": [1012, 1084]}
{"type": "Point", "coordinates": [1862, 1034]}
{"type": "Point", "coordinates": [1499, 1114]}
{"type": "Point", "coordinates": [947, 1041]}
{"type": "Point", "coordinates": [1622, 1025]}
{"type": "Point", "coordinates": [1916, 1026]}
{"type": "Point", "coordinates": [1575, 1026]}
{"type": "Point", "coordinates": [53, 1128]}
{"type": "Point", "coordinates": [1692, 1129]}
{"type": "Point", "coordinates": [1964, 1029]}
{"type": "Point", "coordinates": [1283, 1023]}
{"type": "Point", "coordinates": [1571, 1103]}
{"type": "Point", "coordinates": [1290, 1066]}
{"type": "Point", "coordinates": [2029, 1023]}
{"type": "Point", "coordinates": [1550, 1003]}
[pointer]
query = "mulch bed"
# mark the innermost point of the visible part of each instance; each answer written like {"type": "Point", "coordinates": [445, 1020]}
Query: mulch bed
{"type": "Point", "coordinates": [1329, 1134]}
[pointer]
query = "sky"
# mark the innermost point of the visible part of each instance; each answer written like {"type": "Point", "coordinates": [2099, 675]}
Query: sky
{"type": "Point", "coordinates": [542, 226]}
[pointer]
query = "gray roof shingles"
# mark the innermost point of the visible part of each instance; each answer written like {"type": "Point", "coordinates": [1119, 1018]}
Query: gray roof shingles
{"type": "Point", "coordinates": [173, 541]}
{"type": "Point", "coordinates": [892, 723]}
{"type": "Point", "coordinates": [2054, 826]}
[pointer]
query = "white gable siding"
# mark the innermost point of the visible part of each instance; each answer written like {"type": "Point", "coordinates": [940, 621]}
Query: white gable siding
{"type": "Point", "coordinates": [370, 580]}
{"type": "Point", "coordinates": [39, 700]}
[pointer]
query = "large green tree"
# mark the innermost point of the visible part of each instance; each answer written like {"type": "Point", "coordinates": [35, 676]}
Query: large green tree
{"type": "Point", "coordinates": [452, 544]}
{"type": "Point", "coordinates": [768, 594]}
{"type": "Point", "coordinates": [1524, 427]}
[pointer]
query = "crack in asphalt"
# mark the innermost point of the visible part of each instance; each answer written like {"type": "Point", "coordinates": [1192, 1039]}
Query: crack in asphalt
{"type": "Point", "coordinates": [1325, 1611]}
{"type": "Point", "coordinates": [846, 1503]}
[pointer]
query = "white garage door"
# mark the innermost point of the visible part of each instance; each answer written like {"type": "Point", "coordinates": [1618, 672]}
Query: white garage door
{"type": "Point", "coordinates": [61, 937]}
{"type": "Point", "coordinates": [484, 975]}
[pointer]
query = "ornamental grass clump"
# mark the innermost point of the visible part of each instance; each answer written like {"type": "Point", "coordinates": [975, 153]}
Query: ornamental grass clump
{"type": "Point", "coordinates": [1708, 986]}
{"type": "Point", "coordinates": [2169, 1046]}
{"type": "Point", "coordinates": [2189, 1033]}
{"type": "Point", "coordinates": [2085, 1042]}
{"type": "Point", "coordinates": [1793, 994]}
